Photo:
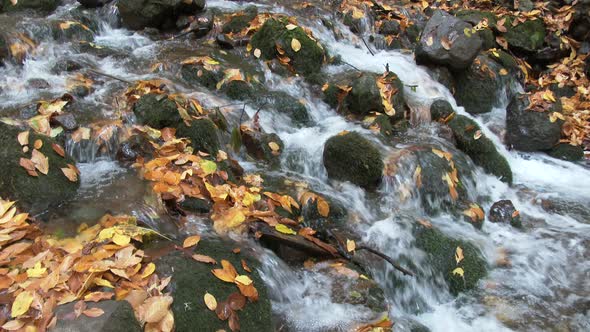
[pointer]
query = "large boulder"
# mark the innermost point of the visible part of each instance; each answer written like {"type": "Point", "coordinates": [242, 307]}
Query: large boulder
{"type": "Point", "coordinates": [202, 133]}
{"type": "Point", "coordinates": [275, 35]}
{"type": "Point", "coordinates": [43, 5]}
{"type": "Point", "coordinates": [33, 193]}
{"type": "Point", "coordinates": [118, 316]}
{"type": "Point", "coordinates": [527, 130]}
{"type": "Point", "coordinates": [474, 17]}
{"type": "Point", "coordinates": [139, 14]}
{"type": "Point", "coordinates": [351, 157]}
{"type": "Point", "coordinates": [459, 276]}
{"type": "Point", "coordinates": [93, 3]}
{"type": "Point", "coordinates": [156, 111]}
{"type": "Point", "coordinates": [526, 36]}
{"type": "Point", "coordinates": [191, 280]}
{"type": "Point", "coordinates": [470, 139]}
{"type": "Point", "coordinates": [446, 41]}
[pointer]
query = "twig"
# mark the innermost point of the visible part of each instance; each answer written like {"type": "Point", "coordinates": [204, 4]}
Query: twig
{"type": "Point", "coordinates": [387, 258]}
{"type": "Point", "coordinates": [186, 33]}
{"type": "Point", "coordinates": [346, 63]}
{"type": "Point", "coordinates": [367, 45]}
{"type": "Point", "coordinates": [109, 76]}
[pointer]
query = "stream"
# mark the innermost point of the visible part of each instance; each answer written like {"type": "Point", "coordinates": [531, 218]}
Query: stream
{"type": "Point", "coordinates": [545, 288]}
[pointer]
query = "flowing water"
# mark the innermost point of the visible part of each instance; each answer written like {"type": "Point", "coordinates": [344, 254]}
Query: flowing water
{"type": "Point", "coordinates": [546, 287]}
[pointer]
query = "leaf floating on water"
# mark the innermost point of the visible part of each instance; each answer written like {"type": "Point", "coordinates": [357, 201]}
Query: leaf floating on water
{"type": "Point", "coordinates": [21, 304]}
{"type": "Point", "coordinates": [295, 45]}
{"type": "Point", "coordinates": [210, 301]}
{"type": "Point", "coordinates": [458, 254]}
{"type": "Point", "coordinates": [284, 229]}
{"type": "Point", "coordinates": [459, 271]}
{"type": "Point", "coordinates": [191, 241]}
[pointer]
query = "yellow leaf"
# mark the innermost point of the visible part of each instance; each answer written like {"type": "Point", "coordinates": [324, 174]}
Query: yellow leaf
{"type": "Point", "coordinates": [121, 239]}
{"type": "Point", "coordinates": [295, 45]}
{"type": "Point", "coordinates": [21, 303]}
{"type": "Point", "coordinates": [208, 166]}
{"type": "Point", "coordinates": [459, 255]}
{"type": "Point", "coordinates": [274, 146]}
{"type": "Point", "coordinates": [503, 72]}
{"type": "Point", "coordinates": [103, 283]}
{"type": "Point", "coordinates": [429, 41]}
{"type": "Point", "coordinates": [290, 26]}
{"type": "Point", "coordinates": [154, 309]}
{"type": "Point", "coordinates": [149, 269]}
{"type": "Point", "coordinates": [37, 271]}
{"type": "Point", "coordinates": [459, 271]}
{"type": "Point", "coordinates": [257, 53]}
{"type": "Point", "coordinates": [70, 174]}
{"type": "Point", "coordinates": [548, 96]}
{"type": "Point", "coordinates": [350, 245]}
{"type": "Point", "coordinates": [210, 301]}
{"type": "Point", "coordinates": [284, 229]}
{"type": "Point", "coordinates": [191, 241]}
{"type": "Point", "coordinates": [244, 280]}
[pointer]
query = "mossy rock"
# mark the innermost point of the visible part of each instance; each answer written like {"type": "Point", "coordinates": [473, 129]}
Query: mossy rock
{"type": "Point", "coordinates": [527, 36]}
{"type": "Point", "coordinates": [240, 90]}
{"type": "Point", "coordinates": [33, 194]}
{"type": "Point", "coordinates": [290, 106]}
{"type": "Point", "coordinates": [202, 133]}
{"type": "Point", "coordinates": [263, 146]}
{"type": "Point", "coordinates": [156, 111]}
{"type": "Point", "coordinates": [195, 205]}
{"type": "Point", "coordinates": [196, 75]}
{"type": "Point", "coordinates": [43, 5]}
{"type": "Point", "coordinates": [336, 218]}
{"type": "Point", "coordinates": [118, 316]}
{"type": "Point", "coordinates": [568, 152]}
{"type": "Point", "coordinates": [306, 61]}
{"type": "Point", "coordinates": [192, 279]}
{"type": "Point", "coordinates": [240, 21]}
{"type": "Point", "coordinates": [474, 16]}
{"type": "Point", "coordinates": [479, 147]}
{"type": "Point", "coordinates": [441, 255]}
{"type": "Point", "coordinates": [351, 157]}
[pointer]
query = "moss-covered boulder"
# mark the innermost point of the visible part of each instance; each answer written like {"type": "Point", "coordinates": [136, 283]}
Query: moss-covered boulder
{"type": "Point", "coordinates": [156, 111]}
{"type": "Point", "coordinates": [565, 151]}
{"type": "Point", "coordinates": [139, 14]}
{"type": "Point", "coordinates": [351, 157]}
{"type": "Point", "coordinates": [441, 249]}
{"type": "Point", "coordinates": [198, 74]}
{"type": "Point", "coordinates": [274, 34]}
{"type": "Point", "coordinates": [118, 316]}
{"type": "Point", "coordinates": [43, 5]}
{"type": "Point", "coordinates": [288, 105]}
{"type": "Point", "coordinates": [202, 133]}
{"type": "Point", "coordinates": [192, 279]}
{"type": "Point", "coordinates": [33, 193]}
{"type": "Point", "coordinates": [263, 146]}
{"type": "Point", "coordinates": [240, 21]}
{"type": "Point", "coordinates": [527, 130]}
{"type": "Point", "coordinates": [527, 36]}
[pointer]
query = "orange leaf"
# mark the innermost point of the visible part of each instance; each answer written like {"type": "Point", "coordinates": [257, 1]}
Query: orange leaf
{"type": "Point", "coordinates": [204, 259]}
{"type": "Point", "coordinates": [191, 241]}
{"type": "Point", "coordinates": [93, 312]}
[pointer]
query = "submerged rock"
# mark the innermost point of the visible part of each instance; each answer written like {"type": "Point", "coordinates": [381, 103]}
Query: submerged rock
{"type": "Point", "coordinates": [156, 111]}
{"type": "Point", "coordinates": [527, 130]}
{"type": "Point", "coordinates": [351, 157]}
{"type": "Point", "coordinates": [33, 194]}
{"type": "Point", "coordinates": [135, 146]}
{"type": "Point", "coordinates": [565, 151]}
{"type": "Point", "coordinates": [504, 212]}
{"type": "Point", "coordinates": [274, 33]}
{"type": "Point", "coordinates": [445, 42]}
{"type": "Point", "coordinates": [118, 316]}
{"type": "Point", "coordinates": [202, 133]}
{"type": "Point", "coordinates": [192, 279]}
{"type": "Point", "coordinates": [460, 276]}
{"type": "Point", "coordinates": [139, 14]}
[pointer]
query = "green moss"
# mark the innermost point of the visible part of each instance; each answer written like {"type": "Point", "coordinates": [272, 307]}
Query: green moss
{"type": "Point", "coordinates": [239, 90]}
{"type": "Point", "coordinates": [481, 150]}
{"type": "Point", "coordinates": [191, 280]}
{"type": "Point", "coordinates": [156, 111]}
{"type": "Point", "coordinates": [197, 75]}
{"type": "Point", "coordinates": [529, 35]}
{"type": "Point", "coordinates": [307, 60]}
{"type": "Point", "coordinates": [567, 152]}
{"type": "Point", "coordinates": [33, 194]}
{"type": "Point", "coordinates": [240, 22]}
{"type": "Point", "coordinates": [440, 109]}
{"type": "Point", "coordinates": [474, 16]}
{"type": "Point", "coordinates": [477, 87]}
{"type": "Point", "coordinates": [286, 104]}
{"type": "Point", "coordinates": [351, 157]}
{"type": "Point", "coordinates": [441, 254]}
{"type": "Point", "coordinates": [202, 133]}
{"type": "Point", "coordinates": [331, 95]}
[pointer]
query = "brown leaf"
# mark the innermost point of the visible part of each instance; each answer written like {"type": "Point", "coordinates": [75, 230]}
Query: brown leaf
{"type": "Point", "coordinates": [191, 241]}
{"type": "Point", "coordinates": [236, 301]}
{"type": "Point", "coordinates": [204, 259]}
{"type": "Point", "coordinates": [29, 166]}
{"type": "Point", "coordinates": [323, 207]}
{"type": "Point", "coordinates": [93, 312]}
{"type": "Point", "coordinates": [41, 161]}
{"type": "Point", "coordinates": [70, 174]}
{"type": "Point", "coordinates": [248, 291]}
{"type": "Point", "coordinates": [234, 323]}
{"type": "Point", "coordinates": [154, 309]}
{"type": "Point", "coordinates": [223, 310]}
{"type": "Point", "coordinates": [245, 266]}
{"type": "Point", "coordinates": [58, 149]}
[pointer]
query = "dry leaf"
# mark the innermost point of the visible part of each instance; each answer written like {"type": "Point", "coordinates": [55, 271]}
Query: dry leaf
{"type": "Point", "coordinates": [350, 245]}
{"type": "Point", "coordinates": [93, 312]}
{"type": "Point", "coordinates": [41, 161]}
{"type": "Point", "coordinates": [458, 255]}
{"type": "Point", "coordinates": [23, 138]}
{"type": "Point", "coordinates": [191, 241]}
{"type": "Point", "coordinates": [154, 309]}
{"type": "Point", "coordinates": [295, 45]}
{"type": "Point", "coordinates": [244, 280]}
{"type": "Point", "coordinates": [70, 174]}
{"type": "Point", "coordinates": [21, 303]}
{"type": "Point", "coordinates": [204, 259]}
{"type": "Point", "coordinates": [257, 53]}
{"type": "Point", "coordinates": [38, 144]}
{"type": "Point", "coordinates": [210, 301]}
{"type": "Point", "coordinates": [58, 149]}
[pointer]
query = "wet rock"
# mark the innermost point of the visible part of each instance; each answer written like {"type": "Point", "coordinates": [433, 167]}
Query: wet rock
{"type": "Point", "coordinates": [474, 17]}
{"type": "Point", "coordinates": [66, 120]}
{"type": "Point", "coordinates": [33, 194]}
{"type": "Point", "coordinates": [71, 30]}
{"type": "Point", "coordinates": [308, 60]}
{"type": "Point", "coordinates": [443, 28]}
{"type": "Point", "coordinates": [240, 21]}
{"type": "Point", "coordinates": [390, 27]}
{"type": "Point", "coordinates": [38, 84]}
{"type": "Point", "coordinates": [526, 36]}
{"type": "Point", "coordinates": [202, 25]}
{"type": "Point", "coordinates": [225, 42]}
{"type": "Point", "coordinates": [99, 50]}
{"type": "Point", "coordinates": [478, 87]}
{"type": "Point", "coordinates": [135, 146]}
{"type": "Point", "coordinates": [196, 74]}
{"type": "Point", "coordinates": [263, 146]}
{"type": "Point", "coordinates": [440, 109]}
{"type": "Point", "coordinates": [156, 111]}
{"type": "Point", "coordinates": [240, 90]}
{"type": "Point", "coordinates": [288, 105]}
{"type": "Point", "coordinates": [93, 3]}
{"type": "Point", "coordinates": [567, 152]}
{"type": "Point", "coordinates": [529, 130]}
{"type": "Point", "coordinates": [580, 27]}
{"type": "Point", "coordinates": [504, 212]}
{"type": "Point", "coordinates": [192, 279]}
{"type": "Point", "coordinates": [4, 51]}
{"type": "Point", "coordinates": [336, 218]}
{"type": "Point", "coordinates": [118, 316]}
{"type": "Point", "coordinates": [443, 76]}
{"type": "Point", "coordinates": [139, 14]}
{"type": "Point", "coordinates": [351, 157]}
{"type": "Point", "coordinates": [441, 255]}
{"type": "Point", "coordinates": [42, 5]}
{"type": "Point", "coordinates": [202, 133]}
{"type": "Point", "coordinates": [66, 65]}
{"type": "Point", "coordinates": [195, 205]}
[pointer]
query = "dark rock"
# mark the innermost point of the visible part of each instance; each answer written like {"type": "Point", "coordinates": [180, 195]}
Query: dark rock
{"type": "Point", "coordinates": [390, 27]}
{"type": "Point", "coordinates": [580, 27]}
{"type": "Point", "coordinates": [135, 146]}
{"type": "Point", "coordinates": [240, 21]}
{"type": "Point", "coordinates": [93, 3]}
{"type": "Point", "coordinates": [288, 105]}
{"type": "Point", "coordinates": [225, 41]}
{"type": "Point", "coordinates": [139, 14]}
{"type": "Point", "coordinates": [42, 5]}
{"type": "Point", "coordinates": [196, 74]}
{"type": "Point", "coordinates": [202, 133]}
{"type": "Point", "coordinates": [441, 254]}
{"type": "Point", "coordinates": [192, 279]}
{"type": "Point", "coordinates": [440, 109]}
{"type": "Point", "coordinates": [4, 51]}
{"type": "Point", "coordinates": [240, 90]}
{"type": "Point", "coordinates": [504, 212]}
{"type": "Point", "coordinates": [33, 194]}
{"type": "Point", "coordinates": [118, 316]}
{"type": "Point", "coordinates": [260, 146]}
{"type": "Point", "coordinates": [527, 36]}
{"type": "Point", "coordinates": [195, 205]}
{"type": "Point", "coordinates": [567, 152]}
{"type": "Point", "coordinates": [156, 111]}
{"type": "Point", "coordinates": [441, 28]}
{"type": "Point", "coordinates": [308, 60]}
{"type": "Point", "coordinates": [442, 75]}
{"type": "Point", "coordinates": [202, 25]}
{"type": "Point", "coordinates": [528, 130]}
{"type": "Point", "coordinates": [38, 84]}
{"type": "Point", "coordinates": [66, 65]}
{"type": "Point", "coordinates": [351, 157]}
{"type": "Point", "coordinates": [66, 120]}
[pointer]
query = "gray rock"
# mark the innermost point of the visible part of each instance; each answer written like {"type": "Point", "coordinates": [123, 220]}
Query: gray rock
{"type": "Point", "coordinates": [66, 120]}
{"type": "Point", "coordinates": [443, 28]}
{"type": "Point", "coordinates": [139, 14]}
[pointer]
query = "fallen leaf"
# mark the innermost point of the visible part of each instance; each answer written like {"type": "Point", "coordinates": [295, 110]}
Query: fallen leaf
{"type": "Point", "coordinates": [245, 266]}
{"type": "Point", "coordinates": [295, 45]}
{"type": "Point", "coordinates": [21, 303]}
{"type": "Point", "coordinates": [350, 245]}
{"type": "Point", "coordinates": [154, 309]}
{"type": "Point", "coordinates": [149, 269]}
{"type": "Point", "coordinates": [323, 207]}
{"type": "Point", "coordinates": [274, 146]}
{"type": "Point", "coordinates": [191, 241]}
{"type": "Point", "coordinates": [41, 161]}
{"type": "Point", "coordinates": [284, 229]}
{"type": "Point", "coordinates": [23, 138]}
{"type": "Point", "coordinates": [58, 149]}
{"type": "Point", "coordinates": [236, 301]}
{"type": "Point", "coordinates": [290, 26]}
{"type": "Point", "coordinates": [244, 280]}
{"type": "Point", "coordinates": [257, 53]}
{"type": "Point", "coordinates": [458, 254]}
{"type": "Point", "coordinates": [70, 174]}
{"type": "Point", "coordinates": [234, 323]}
{"type": "Point", "coordinates": [210, 301]}
{"type": "Point", "coordinates": [38, 144]}
{"type": "Point", "coordinates": [459, 271]}
{"type": "Point", "coordinates": [13, 325]}
{"type": "Point", "coordinates": [93, 312]}
{"type": "Point", "coordinates": [204, 259]}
